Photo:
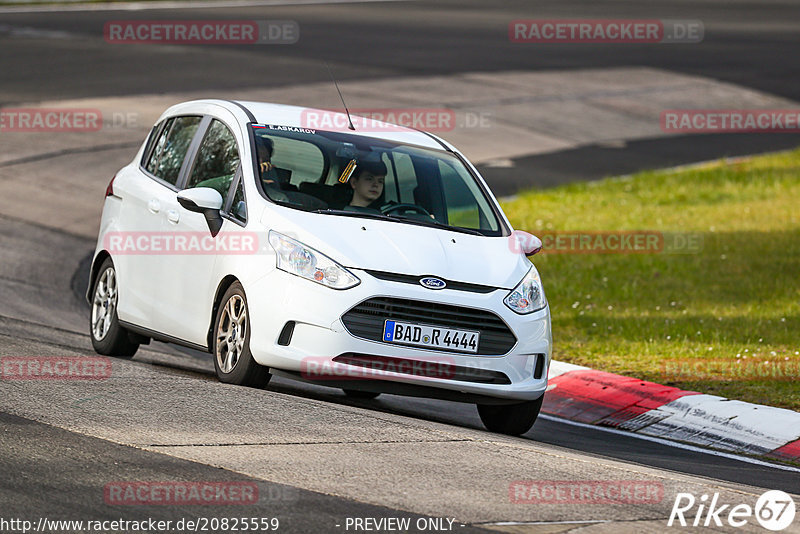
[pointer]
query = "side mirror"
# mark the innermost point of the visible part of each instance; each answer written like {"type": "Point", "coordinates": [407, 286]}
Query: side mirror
{"type": "Point", "coordinates": [525, 243]}
{"type": "Point", "coordinates": [206, 201]}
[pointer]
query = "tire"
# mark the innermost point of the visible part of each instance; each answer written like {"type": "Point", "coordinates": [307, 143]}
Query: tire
{"type": "Point", "coordinates": [511, 419]}
{"type": "Point", "coordinates": [233, 360]}
{"type": "Point", "coordinates": [108, 336]}
{"type": "Point", "coordinates": [356, 394]}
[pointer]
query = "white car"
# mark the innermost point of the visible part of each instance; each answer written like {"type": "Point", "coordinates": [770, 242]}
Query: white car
{"type": "Point", "coordinates": [375, 260]}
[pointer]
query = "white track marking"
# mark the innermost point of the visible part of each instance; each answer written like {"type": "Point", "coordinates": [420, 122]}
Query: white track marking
{"type": "Point", "coordinates": [558, 368]}
{"type": "Point", "coordinates": [672, 444]}
{"type": "Point", "coordinates": [732, 425]}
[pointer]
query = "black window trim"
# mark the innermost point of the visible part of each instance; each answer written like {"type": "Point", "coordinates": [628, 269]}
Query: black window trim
{"type": "Point", "coordinates": [390, 157]}
{"type": "Point", "coordinates": [251, 137]}
{"type": "Point", "coordinates": [226, 212]}
{"type": "Point", "coordinates": [191, 153]}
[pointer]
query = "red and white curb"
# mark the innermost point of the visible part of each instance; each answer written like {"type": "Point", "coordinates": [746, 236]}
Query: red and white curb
{"type": "Point", "coordinates": [594, 397]}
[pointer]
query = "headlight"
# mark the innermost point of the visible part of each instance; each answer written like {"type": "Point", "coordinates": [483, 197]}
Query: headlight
{"type": "Point", "coordinates": [296, 258]}
{"type": "Point", "coordinates": [528, 296]}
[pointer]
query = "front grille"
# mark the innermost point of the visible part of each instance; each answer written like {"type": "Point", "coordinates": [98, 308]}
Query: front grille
{"type": "Point", "coordinates": [414, 280]}
{"type": "Point", "coordinates": [366, 321]}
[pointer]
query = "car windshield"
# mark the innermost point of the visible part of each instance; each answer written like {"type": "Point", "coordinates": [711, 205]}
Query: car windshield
{"type": "Point", "coordinates": [347, 175]}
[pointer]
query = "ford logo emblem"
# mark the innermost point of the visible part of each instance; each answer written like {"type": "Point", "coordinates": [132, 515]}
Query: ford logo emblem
{"type": "Point", "coordinates": [432, 283]}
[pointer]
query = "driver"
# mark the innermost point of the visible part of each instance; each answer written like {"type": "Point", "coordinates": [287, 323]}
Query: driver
{"type": "Point", "coordinates": [367, 183]}
{"type": "Point", "coordinates": [265, 148]}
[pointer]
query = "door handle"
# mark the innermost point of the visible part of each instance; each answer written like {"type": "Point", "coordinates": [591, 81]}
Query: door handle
{"type": "Point", "coordinates": [154, 205]}
{"type": "Point", "coordinates": [173, 216]}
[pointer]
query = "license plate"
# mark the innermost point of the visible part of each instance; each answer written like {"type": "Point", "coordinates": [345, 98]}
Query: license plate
{"type": "Point", "coordinates": [437, 337]}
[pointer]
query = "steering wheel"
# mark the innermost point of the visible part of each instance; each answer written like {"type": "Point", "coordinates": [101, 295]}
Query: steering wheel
{"type": "Point", "coordinates": [405, 208]}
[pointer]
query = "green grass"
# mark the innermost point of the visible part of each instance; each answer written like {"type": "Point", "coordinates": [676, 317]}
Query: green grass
{"type": "Point", "coordinates": [736, 300]}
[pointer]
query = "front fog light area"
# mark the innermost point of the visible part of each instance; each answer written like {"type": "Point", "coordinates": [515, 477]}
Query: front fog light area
{"type": "Point", "coordinates": [528, 296]}
{"type": "Point", "coordinates": [298, 259]}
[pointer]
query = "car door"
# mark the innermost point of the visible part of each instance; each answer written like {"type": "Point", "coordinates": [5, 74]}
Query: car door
{"type": "Point", "coordinates": [185, 290]}
{"type": "Point", "coordinates": [143, 190]}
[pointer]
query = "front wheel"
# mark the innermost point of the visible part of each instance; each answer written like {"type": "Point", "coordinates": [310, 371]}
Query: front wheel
{"type": "Point", "coordinates": [232, 358]}
{"type": "Point", "coordinates": [511, 419]}
{"type": "Point", "coordinates": [108, 336]}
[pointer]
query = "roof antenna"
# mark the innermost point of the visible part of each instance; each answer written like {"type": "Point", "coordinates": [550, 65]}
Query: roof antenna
{"type": "Point", "coordinates": [340, 96]}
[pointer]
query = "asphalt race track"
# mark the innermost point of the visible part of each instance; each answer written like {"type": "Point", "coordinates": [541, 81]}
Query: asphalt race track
{"type": "Point", "coordinates": [316, 457]}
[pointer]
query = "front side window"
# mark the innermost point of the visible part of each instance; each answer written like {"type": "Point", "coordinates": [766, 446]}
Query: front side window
{"type": "Point", "coordinates": [342, 174]}
{"type": "Point", "coordinates": [170, 148]}
{"type": "Point", "coordinates": [217, 160]}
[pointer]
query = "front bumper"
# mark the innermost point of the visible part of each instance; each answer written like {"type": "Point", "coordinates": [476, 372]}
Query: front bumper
{"type": "Point", "coordinates": [320, 336]}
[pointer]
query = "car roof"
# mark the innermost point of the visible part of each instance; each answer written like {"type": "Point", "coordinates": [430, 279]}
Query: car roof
{"type": "Point", "coordinates": [303, 117]}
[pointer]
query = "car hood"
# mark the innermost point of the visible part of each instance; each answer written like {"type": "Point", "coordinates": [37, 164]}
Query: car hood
{"type": "Point", "coordinates": [370, 244]}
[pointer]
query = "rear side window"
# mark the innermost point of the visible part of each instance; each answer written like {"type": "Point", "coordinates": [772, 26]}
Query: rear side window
{"type": "Point", "coordinates": [157, 146]}
{"type": "Point", "coordinates": [298, 160]}
{"type": "Point", "coordinates": [406, 177]}
{"type": "Point", "coordinates": [462, 210]}
{"type": "Point", "coordinates": [151, 140]}
{"type": "Point", "coordinates": [216, 161]}
{"type": "Point", "coordinates": [170, 148]}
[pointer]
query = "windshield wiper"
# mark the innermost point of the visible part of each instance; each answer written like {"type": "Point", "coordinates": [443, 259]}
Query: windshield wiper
{"type": "Point", "coordinates": [400, 218]}
{"type": "Point", "coordinates": [435, 223]}
{"type": "Point", "coordinates": [346, 213]}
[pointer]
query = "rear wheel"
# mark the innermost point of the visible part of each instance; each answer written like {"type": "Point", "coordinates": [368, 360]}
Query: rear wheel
{"type": "Point", "coordinates": [108, 336]}
{"type": "Point", "coordinates": [356, 394]}
{"type": "Point", "coordinates": [512, 419]}
{"type": "Point", "coordinates": [232, 358]}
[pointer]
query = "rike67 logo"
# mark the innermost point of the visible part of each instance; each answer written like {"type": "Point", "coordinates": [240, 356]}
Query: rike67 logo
{"type": "Point", "coordinates": [774, 510]}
